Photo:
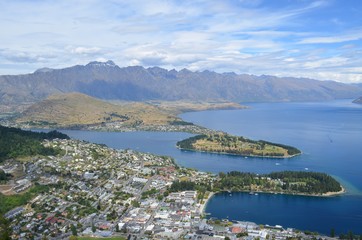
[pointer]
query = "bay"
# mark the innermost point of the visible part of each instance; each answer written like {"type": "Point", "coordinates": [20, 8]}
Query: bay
{"type": "Point", "coordinates": [329, 134]}
{"type": "Point", "coordinates": [302, 212]}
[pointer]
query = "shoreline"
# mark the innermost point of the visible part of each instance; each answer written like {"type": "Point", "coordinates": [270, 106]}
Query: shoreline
{"type": "Point", "coordinates": [206, 201]}
{"type": "Point", "coordinates": [332, 194]}
{"type": "Point", "coordinates": [328, 194]}
{"type": "Point", "coordinates": [240, 155]}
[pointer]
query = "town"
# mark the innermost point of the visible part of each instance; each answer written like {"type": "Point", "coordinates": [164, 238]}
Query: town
{"type": "Point", "coordinates": [96, 191]}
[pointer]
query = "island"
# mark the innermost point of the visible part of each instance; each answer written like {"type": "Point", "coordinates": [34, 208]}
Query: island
{"type": "Point", "coordinates": [228, 144]}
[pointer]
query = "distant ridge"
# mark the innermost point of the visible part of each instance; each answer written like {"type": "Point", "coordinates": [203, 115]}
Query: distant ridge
{"type": "Point", "coordinates": [44, 70]}
{"type": "Point", "coordinates": [105, 80]}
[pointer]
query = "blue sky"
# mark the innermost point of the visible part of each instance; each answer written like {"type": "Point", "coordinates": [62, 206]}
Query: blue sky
{"type": "Point", "coordinates": [301, 38]}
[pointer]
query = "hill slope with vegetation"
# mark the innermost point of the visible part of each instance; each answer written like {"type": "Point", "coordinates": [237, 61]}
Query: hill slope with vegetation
{"type": "Point", "coordinates": [15, 143]}
{"type": "Point", "coordinates": [228, 144]}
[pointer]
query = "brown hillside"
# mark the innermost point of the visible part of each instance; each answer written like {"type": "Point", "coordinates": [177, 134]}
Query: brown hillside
{"type": "Point", "coordinates": [79, 109]}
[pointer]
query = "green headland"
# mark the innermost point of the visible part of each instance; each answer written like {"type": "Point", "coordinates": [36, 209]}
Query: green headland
{"type": "Point", "coordinates": [229, 144]}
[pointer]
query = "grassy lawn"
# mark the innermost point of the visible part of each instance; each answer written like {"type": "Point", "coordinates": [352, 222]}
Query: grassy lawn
{"type": "Point", "coordinates": [233, 145]}
{"type": "Point", "coordinates": [12, 201]}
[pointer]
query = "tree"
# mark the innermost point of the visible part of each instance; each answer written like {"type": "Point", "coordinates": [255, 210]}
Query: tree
{"type": "Point", "coordinates": [350, 235]}
{"type": "Point", "coordinates": [333, 233]}
{"type": "Point", "coordinates": [222, 175]}
{"type": "Point", "coordinates": [117, 228]}
{"type": "Point", "coordinates": [93, 227]}
{"type": "Point", "coordinates": [4, 176]}
{"type": "Point", "coordinates": [5, 230]}
{"type": "Point", "coordinates": [135, 204]}
{"type": "Point", "coordinates": [74, 230]}
{"type": "Point", "coordinates": [244, 234]}
{"type": "Point", "coordinates": [15, 142]}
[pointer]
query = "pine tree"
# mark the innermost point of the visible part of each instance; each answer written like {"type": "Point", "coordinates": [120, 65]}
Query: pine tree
{"type": "Point", "coordinates": [333, 232]}
{"type": "Point", "coordinates": [74, 230]}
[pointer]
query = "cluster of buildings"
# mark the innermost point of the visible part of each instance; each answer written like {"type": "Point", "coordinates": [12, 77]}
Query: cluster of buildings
{"type": "Point", "coordinates": [121, 127]}
{"type": "Point", "coordinates": [92, 190]}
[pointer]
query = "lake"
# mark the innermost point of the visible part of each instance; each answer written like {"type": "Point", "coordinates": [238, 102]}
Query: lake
{"type": "Point", "coordinates": [328, 133]}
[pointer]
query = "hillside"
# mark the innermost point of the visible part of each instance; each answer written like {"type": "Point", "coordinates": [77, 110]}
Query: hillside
{"type": "Point", "coordinates": [75, 109]}
{"type": "Point", "coordinates": [178, 107]}
{"type": "Point", "coordinates": [358, 100]}
{"type": "Point", "coordinates": [228, 144]}
{"type": "Point", "coordinates": [15, 143]}
{"type": "Point", "coordinates": [108, 81]}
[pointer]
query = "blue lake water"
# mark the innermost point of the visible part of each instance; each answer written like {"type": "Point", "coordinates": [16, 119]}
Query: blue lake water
{"type": "Point", "coordinates": [329, 134]}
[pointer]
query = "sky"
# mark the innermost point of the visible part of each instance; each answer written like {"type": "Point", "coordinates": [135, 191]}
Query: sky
{"type": "Point", "coordinates": [319, 39]}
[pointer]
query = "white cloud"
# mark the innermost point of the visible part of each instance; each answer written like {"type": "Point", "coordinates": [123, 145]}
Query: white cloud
{"type": "Point", "coordinates": [101, 59]}
{"type": "Point", "coordinates": [86, 50]}
{"type": "Point", "coordinates": [329, 62]}
{"type": "Point", "coordinates": [344, 37]}
{"type": "Point", "coordinates": [243, 36]}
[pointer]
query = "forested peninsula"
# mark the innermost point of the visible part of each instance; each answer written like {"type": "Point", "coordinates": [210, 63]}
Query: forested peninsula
{"type": "Point", "coordinates": [229, 144]}
{"type": "Point", "coordinates": [290, 182]}
{"type": "Point", "coordinates": [286, 182]}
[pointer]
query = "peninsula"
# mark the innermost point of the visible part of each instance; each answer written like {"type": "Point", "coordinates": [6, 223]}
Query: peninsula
{"type": "Point", "coordinates": [286, 182]}
{"type": "Point", "coordinates": [228, 144]}
{"type": "Point", "coordinates": [80, 111]}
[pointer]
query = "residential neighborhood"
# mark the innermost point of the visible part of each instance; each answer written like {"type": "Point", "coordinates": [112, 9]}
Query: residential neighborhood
{"type": "Point", "coordinates": [96, 191]}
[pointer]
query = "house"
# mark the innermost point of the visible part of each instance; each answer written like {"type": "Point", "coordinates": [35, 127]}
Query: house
{"type": "Point", "coordinates": [13, 213]}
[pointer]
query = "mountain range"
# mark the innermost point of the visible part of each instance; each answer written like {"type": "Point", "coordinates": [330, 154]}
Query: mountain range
{"type": "Point", "coordinates": [106, 80]}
